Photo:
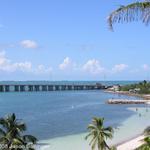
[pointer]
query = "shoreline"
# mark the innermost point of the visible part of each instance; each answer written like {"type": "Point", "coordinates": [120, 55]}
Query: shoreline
{"type": "Point", "coordinates": [124, 144]}
{"type": "Point", "coordinates": [145, 96]}
{"type": "Point", "coordinates": [129, 144]}
{"type": "Point", "coordinates": [132, 143]}
{"type": "Point", "coordinates": [127, 140]}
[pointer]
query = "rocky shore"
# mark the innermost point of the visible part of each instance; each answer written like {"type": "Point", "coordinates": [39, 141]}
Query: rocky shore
{"type": "Point", "coordinates": [126, 101]}
{"type": "Point", "coordinates": [144, 96]}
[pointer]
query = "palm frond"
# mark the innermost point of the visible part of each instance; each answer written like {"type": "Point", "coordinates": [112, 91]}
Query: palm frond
{"type": "Point", "coordinates": [147, 131]}
{"type": "Point", "coordinates": [4, 140]}
{"type": "Point", "coordinates": [21, 126]}
{"type": "Point", "coordinates": [91, 126]}
{"type": "Point", "coordinates": [106, 146]}
{"type": "Point", "coordinates": [17, 141]}
{"type": "Point", "coordinates": [2, 132]}
{"type": "Point", "coordinates": [131, 12]}
{"type": "Point", "coordinates": [93, 141]}
{"type": "Point", "coordinates": [29, 139]}
{"type": "Point", "coordinates": [4, 123]}
{"type": "Point", "coordinates": [94, 144]}
{"type": "Point", "coordinates": [90, 134]}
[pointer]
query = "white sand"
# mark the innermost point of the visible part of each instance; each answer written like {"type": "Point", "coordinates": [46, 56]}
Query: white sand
{"type": "Point", "coordinates": [132, 144]}
{"type": "Point", "coordinates": [129, 128]}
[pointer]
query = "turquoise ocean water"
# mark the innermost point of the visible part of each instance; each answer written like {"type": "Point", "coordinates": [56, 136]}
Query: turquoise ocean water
{"type": "Point", "coordinates": [60, 113]}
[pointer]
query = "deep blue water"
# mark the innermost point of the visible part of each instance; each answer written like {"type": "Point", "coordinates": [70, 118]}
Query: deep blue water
{"type": "Point", "coordinates": [54, 114]}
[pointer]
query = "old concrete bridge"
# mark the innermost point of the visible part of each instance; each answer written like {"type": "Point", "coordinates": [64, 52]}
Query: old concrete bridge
{"type": "Point", "coordinates": [47, 87]}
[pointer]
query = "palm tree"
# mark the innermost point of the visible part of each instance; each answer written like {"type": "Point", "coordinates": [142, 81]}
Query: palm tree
{"type": "Point", "coordinates": [99, 134]}
{"type": "Point", "coordinates": [11, 130]}
{"type": "Point", "coordinates": [131, 12]}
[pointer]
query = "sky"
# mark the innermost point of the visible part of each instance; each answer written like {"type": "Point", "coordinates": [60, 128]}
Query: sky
{"type": "Point", "coordinates": [70, 40]}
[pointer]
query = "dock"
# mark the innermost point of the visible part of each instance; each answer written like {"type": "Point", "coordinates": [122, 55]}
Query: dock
{"type": "Point", "coordinates": [127, 101]}
{"type": "Point", "coordinates": [48, 87]}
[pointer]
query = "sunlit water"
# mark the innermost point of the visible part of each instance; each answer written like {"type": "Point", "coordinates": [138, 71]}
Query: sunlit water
{"type": "Point", "coordinates": [60, 118]}
{"type": "Point", "coordinates": [128, 129]}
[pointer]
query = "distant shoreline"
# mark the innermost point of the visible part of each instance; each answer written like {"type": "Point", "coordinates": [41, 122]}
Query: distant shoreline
{"type": "Point", "coordinates": [145, 96]}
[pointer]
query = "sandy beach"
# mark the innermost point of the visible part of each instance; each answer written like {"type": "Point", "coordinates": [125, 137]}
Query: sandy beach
{"type": "Point", "coordinates": [131, 144]}
{"type": "Point", "coordinates": [128, 134]}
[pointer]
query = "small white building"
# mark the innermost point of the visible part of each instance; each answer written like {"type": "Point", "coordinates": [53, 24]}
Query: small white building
{"type": "Point", "coordinates": [136, 90]}
{"type": "Point", "coordinates": [114, 88]}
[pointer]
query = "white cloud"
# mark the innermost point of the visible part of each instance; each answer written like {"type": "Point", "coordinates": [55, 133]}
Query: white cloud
{"type": "Point", "coordinates": [93, 66]}
{"type": "Point", "coordinates": [41, 69]}
{"type": "Point", "coordinates": [6, 65]}
{"type": "Point", "coordinates": [29, 44]}
{"type": "Point", "coordinates": [146, 67]}
{"type": "Point", "coordinates": [4, 62]}
{"type": "Point", "coordinates": [119, 68]}
{"type": "Point", "coordinates": [22, 66]}
{"type": "Point", "coordinates": [66, 64]}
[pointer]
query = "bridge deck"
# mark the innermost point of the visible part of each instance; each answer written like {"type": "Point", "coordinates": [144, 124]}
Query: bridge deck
{"type": "Point", "coordinates": [46, 87]}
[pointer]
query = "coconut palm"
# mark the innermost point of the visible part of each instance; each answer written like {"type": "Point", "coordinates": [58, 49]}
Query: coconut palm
{"type": "Point", "coordinates": [131, 12]}
{"type": "Point", "coordinates": [99, 134]}
{"type": "Point", "coordinates": [11, 130]}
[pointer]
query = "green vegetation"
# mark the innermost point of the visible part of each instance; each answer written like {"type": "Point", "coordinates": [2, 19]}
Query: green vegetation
{"type": "Point", "coordinates": [11, 137]}
{"type": "Point", "coordinates": [99, 134]}
{"type": "Point", "coordinates": [146, 146]}
{"type": "Point", "coordinates": [139, 88]}
{"type": "Point", "coordinates": [131, 12]}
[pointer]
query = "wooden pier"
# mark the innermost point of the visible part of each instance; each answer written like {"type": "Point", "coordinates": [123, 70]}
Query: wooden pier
{"type": "Point", "coordinates": [47, 87]}
{"type": "Point", "coordinates": [126, 101]}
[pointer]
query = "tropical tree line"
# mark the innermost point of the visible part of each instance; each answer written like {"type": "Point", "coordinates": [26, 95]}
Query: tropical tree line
{"type": "Point", "coordinates": [143, 87]}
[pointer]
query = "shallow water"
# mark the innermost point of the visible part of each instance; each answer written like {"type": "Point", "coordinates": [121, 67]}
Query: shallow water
{"type": "Point", "coordinates": [131, 127]}
{"type": "Point", "coordinates": [59, 118]}
{"type": "Point", "coordinates": [55, 114]}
